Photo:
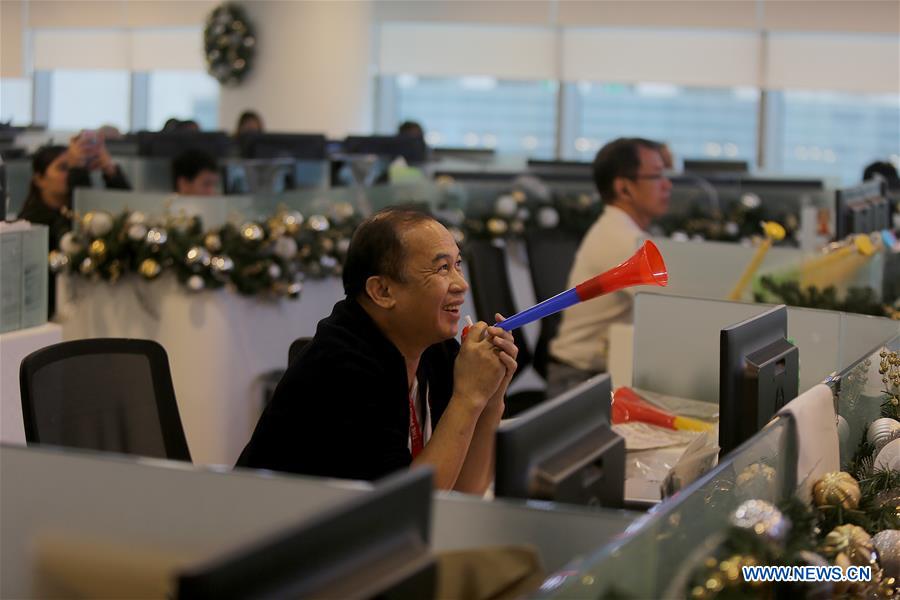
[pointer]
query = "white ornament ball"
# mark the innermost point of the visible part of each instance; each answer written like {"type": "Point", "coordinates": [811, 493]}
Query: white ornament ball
{"type": "Point", "coordinates": [548, 218]}
{"type": "Point", "coordinates": [523, 214]}
{"type": "Point", "coordinates": [881, 430]}
{"type": "Point", "coordinates": [843, 430]}
{"type": "Point", "coordinates": [285, 248]}
{"type": "Point", "coordinates": [887, 543]}
{"type": "Point", "coordinates": [98, 223]}
{"type": "Point", "coordinates": [680, 236]}
{"type": "Point", "coordinates": [69, 243]}
{"type": "Point", "coordinates": [137, 217]}
{"type": "Point", "coordinates": [274, 271]}
{"type": "Point", "coordinates": [137, 232]}
{"type": "Point", "coordinates": [698, 237]}
{"type": "Point", "coordinates": [506, 206]}
{"type": "Point", "coordinates": [888, 458]}
{"type": "Point", "coordinates": [343, 245]}
{"type": "Point", "coordinates": [195, 283]}
{"type": "Point", "coordinates": [731, 228]}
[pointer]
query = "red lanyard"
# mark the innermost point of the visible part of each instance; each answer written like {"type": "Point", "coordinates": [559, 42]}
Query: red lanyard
{"type": "Point", "coordinates": [416, 442]}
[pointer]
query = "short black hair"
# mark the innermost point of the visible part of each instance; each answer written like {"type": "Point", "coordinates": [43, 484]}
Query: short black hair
{"type": "Point", "coordinates": [377, 247]}
{"type": "Point", "coordinates": [190, 163]}
{"type": "Point", "coordinates": [619, 158]}
{"type": "Point", "coordinates": [248, 115]}
{"type": "Point", "coordinates": [410, 129]}
{"type": "Point", "coordinates": [885, 170]}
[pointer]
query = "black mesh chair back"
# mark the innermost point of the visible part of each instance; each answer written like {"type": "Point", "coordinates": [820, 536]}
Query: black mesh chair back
{"type": "Point", "coordinates": [296, 346]}
{"type": "Point", "coordinates": [550, 257]}
{"type": "Point", "coordinates": [113, 395]}
{"type": "Point", "coordinates": [492, 292]}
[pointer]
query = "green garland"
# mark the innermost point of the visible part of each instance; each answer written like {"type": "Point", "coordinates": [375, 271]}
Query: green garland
{"type": "Point", "coordinates": [861, 300]}
{"type": "Point", "coordinates": [271, 257]}
{"type": "Point", "coordinates": [229, 44]}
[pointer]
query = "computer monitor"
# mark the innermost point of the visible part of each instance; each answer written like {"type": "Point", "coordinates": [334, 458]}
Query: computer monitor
{"type": "Point", "coordinates": [702, 166]}
{"type": "Point", "coordinates": [375, 545]}
{"type": "Point", "coordinates": [758, 374]}
{"type": "Point", "coordinates": [302, 146]}
{"type": "Point", "coordinates": [863, 208]}
{"type": "Point", "coordinates": [412, 149]}
{"type": "Point", "coordinates": [563, 450]}
{"type": "Point", "coordinates": [171, 144]}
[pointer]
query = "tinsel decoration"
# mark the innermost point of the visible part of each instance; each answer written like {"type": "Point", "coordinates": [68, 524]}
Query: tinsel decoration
{"type": "Point", "coordinates": [267, 257]}
{"type": "Point", "coordinates": [229, 44]}
{"type": "Point", "coordinates": [526, 209]}
{"type": "Point", "coordinates": [739, 222]}
{"type": "Point", "coordinates": [889, 369]}
{"type": "Point", "coordinates": [861, 300]}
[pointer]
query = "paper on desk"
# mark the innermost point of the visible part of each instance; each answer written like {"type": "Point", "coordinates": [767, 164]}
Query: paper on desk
{"type": "Point", "coordinates": [643, 436]}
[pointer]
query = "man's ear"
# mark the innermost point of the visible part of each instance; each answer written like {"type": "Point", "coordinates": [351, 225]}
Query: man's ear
{"type": "Point", "coordinates": [621, 186]}
{"type": "Point", "coordinates": [379, 291]}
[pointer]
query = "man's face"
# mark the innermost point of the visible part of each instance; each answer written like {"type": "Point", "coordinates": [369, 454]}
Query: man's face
{"type": "Point", "coordinates": [206, 183]}
{"type": "Point", "coordinates": [429, 300]}
{"type": "Point", "coordinates": [649, 189]}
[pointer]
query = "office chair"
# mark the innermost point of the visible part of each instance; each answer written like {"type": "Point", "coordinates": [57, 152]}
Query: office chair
{"type": "Point", "coordinates": [492, 293]}
{"type": "Point", "coordinates": [108, 394]}
{"type": "Point", "coordinates": [550, 256]}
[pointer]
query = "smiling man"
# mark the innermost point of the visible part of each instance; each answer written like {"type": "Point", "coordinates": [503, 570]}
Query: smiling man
{"type": "Point", "coordinates": [384, 385]}
{"type": "Point", "coordinates": [630, 176]}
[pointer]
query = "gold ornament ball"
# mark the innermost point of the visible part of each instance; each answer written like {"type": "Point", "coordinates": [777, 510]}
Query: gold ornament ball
{"type": "Point", "coordinates": [58, 261]}
{"type": "Point", "coordinates": [292, 220]}
{"type": "Point", "coordinates": [149, 268]}
{"type": "Point", "coordinates": [251, 232]}
{"type": "Point", "coordinates": [851, 541]}
{"type": "Point", "coordinates": [837, 488]}
{"type": "Point", "coordinates": [213, 242]}
{"type": "Point", "coordinates": [87, 266]}
{"type": "Point", "coordinates": [497, 227]}
{"type": "Point", "coordinates": [318, 223]}
{"type": "Point", "coordinates": [97, 250]}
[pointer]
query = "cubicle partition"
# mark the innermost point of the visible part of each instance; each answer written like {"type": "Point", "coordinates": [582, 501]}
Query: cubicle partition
{"type": "Point", "coordinates": [657, 553]}
{"type": "Point", "coordinates": [676, 342]}
{"type": "Point", "coordinates": [70, 515]}
{"type": "Point", "coordinates": [712, 269]}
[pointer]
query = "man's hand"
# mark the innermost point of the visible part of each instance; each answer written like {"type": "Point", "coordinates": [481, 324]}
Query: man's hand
{"type": "Point", "coordinates": [479, 368]}
{"type": "Point", "coordinates": [507, 350]}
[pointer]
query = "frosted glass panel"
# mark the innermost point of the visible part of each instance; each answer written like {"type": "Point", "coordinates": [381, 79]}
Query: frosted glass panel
{"type": "Point", "coordinates": [676, 343]}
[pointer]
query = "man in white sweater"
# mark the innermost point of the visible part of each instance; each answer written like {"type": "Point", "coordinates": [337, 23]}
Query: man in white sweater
{"type": "Point", "coordinates": [630, 177]}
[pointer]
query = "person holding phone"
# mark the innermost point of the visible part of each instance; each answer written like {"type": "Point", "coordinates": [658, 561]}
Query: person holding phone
{"type": "Point", "coordinates": [55, 173]}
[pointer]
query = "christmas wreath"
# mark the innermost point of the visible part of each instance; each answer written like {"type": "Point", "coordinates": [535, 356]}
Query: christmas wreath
{"type": "Point", "coordinates": [229, 43]}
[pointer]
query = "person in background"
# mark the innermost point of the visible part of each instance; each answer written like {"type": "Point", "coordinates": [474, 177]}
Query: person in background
{"type": "Point", "coordinates": [249, 122]}
{"type": "Point", "coordinates": [884, 170]}
{"type": "Point", "coordinates": [171, 125]}
{"type": "Point", "coordinates": [55, 173]}
{"type": "Point", "coordinates": [189, 126]}
{"type": "Point", "coordinates": [411, 129]}
{"type": "Point", "coordinates": [195, 173]}
{"type": "Point", "coordinates": [110, 132]}
{"type": "Point", "coordinates": [384, 385]}
{"type": "Point", "coordinates": [630, 176]}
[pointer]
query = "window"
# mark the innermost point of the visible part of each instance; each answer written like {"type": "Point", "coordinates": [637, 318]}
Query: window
{"type": "Point", "coordinates": [15, 101]}
{"type": "Point", "coordinates": [694, 122]}
{"type": "Point", "coordinates": [833, 134]}
{"type": "Point", "coordinates": [183, 95]}
{"type": "Point", "coordinates": [82, 99]}
{"type": "Point", "coordinates": [512, 117]}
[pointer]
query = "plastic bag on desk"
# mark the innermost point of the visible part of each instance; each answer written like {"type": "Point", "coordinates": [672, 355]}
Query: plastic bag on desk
{"type": "Point", "coordinates": [699, 457]}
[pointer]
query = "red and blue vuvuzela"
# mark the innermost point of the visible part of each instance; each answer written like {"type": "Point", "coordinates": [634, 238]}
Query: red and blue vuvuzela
{"type": "Point", "coordinates": [645, 267]}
